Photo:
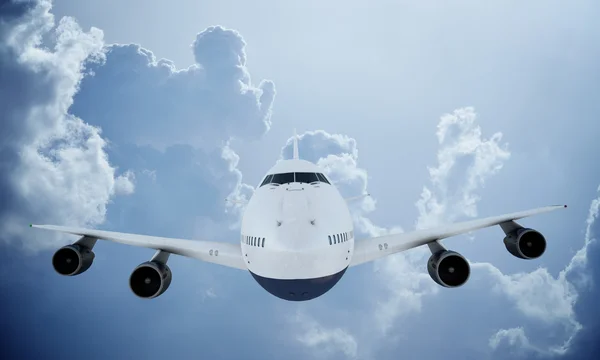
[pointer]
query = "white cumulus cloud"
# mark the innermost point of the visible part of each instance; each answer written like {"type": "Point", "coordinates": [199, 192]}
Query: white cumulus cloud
{"type": "Point", "coordinates": [465, 160]}
{"type": "Point", "coordinates": [54, 165]}
{"type": "Point", "coordinates": [549, 299]}
{"type": "Point", "coordinates": [326, 341]}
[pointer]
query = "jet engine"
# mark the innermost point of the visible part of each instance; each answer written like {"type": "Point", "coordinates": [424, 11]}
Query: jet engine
{"type": "Point", "coordinates": [150, 279]}
{"type": "Point", "coordinates": [73, 259]}
{"type": "Point", "coordinates": [448, 268]}
{"type": "Point", "coordinates": [525, 243]}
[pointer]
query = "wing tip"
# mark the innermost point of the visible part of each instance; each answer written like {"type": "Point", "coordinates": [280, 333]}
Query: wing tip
{"type": "Point", "coordinates": [564, 206]}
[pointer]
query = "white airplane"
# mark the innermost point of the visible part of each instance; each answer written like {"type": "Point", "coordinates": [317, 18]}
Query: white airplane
{"type": "Point", "coordinates": [297, 240]}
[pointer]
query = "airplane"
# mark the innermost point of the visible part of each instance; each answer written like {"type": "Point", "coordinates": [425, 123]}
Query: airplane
{"type": "Point", "coordinates": [297, 240]}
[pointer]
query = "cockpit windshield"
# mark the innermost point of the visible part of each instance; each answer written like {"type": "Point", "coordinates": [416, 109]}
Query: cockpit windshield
{"type": "Point", "coordinates": [301, 177]}
{"type": "Point", "coordinates": [306, 177]}
{"type": "Point", "coordinates": [282, 178]}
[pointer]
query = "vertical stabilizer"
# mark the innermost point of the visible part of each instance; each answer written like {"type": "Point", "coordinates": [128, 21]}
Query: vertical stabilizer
{"type": "Point", "coordinates": [296, 157]}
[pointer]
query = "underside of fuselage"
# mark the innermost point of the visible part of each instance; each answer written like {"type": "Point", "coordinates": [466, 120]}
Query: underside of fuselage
{"type": "Point", "coordinates": [299, 289]}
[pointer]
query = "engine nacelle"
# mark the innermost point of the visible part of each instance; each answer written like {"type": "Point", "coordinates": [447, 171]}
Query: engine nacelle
{"type": "Point", "coordinates": [525, 243]}
{"type": "Point", "coordinates": [448, 268]}
{"type": "Point", "coordinates": [150, 279]}
{"type": "Point", "coordinates": [72, 260]}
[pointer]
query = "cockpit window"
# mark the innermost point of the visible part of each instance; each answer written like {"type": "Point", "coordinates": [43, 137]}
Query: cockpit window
{"type": "Point", "coordinates": [306, 177]}
{"type": "Point", "coordinates": [301, 177]}
{"type": "Point", "coordinates": [267, 180]}
{"type": "Point", "coordinates": [322, 178]}
{"type": "Point", "coordinates": [284, 178]}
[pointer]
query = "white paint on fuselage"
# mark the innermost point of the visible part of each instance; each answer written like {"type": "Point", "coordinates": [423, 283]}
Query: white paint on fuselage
{"type": "Point", "coordinates": [296, 220]}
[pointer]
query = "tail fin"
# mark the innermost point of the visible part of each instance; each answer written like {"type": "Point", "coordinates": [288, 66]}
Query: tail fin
{"type": "Point", "coordinates": [296, 157]}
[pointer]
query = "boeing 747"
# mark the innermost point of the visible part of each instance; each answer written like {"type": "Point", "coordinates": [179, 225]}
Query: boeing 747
{"type": "Point", "coordinates": [297, 239]}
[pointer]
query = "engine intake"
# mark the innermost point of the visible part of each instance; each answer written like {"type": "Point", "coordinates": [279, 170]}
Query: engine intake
{"type": "Point", "coordinates": [525, 243]}
{"type": "Point", "coordinates": [150, 279]}
{"type": "Point", "coordinates": [448, 268]}
{"type": "Point", "coordinates": [72, 260]}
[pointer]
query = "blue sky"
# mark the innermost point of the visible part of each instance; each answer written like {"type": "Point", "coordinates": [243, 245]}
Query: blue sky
{"type": "Point", "coordinates": [143, 116]}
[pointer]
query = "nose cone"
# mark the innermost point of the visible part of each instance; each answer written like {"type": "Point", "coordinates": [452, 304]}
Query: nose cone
{"type": "Point", "coordinates": [297, 226]}
{"type": "Point", "coordinates": [294, 205]}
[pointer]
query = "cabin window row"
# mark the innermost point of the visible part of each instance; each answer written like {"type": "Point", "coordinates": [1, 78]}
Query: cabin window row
{"type": "Point", "coordinates": [300, 177]}
{"type": "Point", "coordinates": [254, 241]}
{"type": "Point", "coordinates": [339, 238]}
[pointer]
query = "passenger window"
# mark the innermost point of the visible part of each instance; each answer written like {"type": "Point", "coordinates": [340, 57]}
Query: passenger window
{"type": "Point", "coordinates": [322, 178]}
{"type": "Point", "coordinates": [263, 242]}
{"type": "Point", "coordinates": [338, 237]}
{"type": "Point", "coordinates": [306, 177]}
{"type": "Point", "coordinates": [283, 178]}
{"type": "Point", "coordinates": [329, 236]}
{"type": "Point", "coordinates": [267, 180]}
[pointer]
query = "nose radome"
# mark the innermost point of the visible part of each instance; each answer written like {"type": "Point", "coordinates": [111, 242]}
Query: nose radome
{"type": "Point", "coordinates": [294, 206]}
{"type": "Point", "coordinates": [296, 226]}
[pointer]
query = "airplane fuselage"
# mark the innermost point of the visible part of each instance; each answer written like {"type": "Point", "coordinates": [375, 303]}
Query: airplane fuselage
{"type": "Point", "coordinates": [297, 234]}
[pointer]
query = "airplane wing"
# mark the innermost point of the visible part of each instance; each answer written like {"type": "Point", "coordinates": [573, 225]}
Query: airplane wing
{"type": "Point", "coordinates": [225, 254]}
{"type": "Point", "coordinates": [381, 246]}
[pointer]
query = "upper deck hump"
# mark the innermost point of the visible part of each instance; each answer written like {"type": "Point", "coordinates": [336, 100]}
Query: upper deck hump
{"type": "Point", "coordinates": [294, 165]}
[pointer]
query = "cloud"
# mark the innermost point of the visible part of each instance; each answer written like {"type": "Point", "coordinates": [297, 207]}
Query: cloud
{"type": "Point", "coordinates": [53, 165]}
{"type": "Point", "coordinates": [326, 341]}
{"type": "Point", "coordinates": [172, 128]}
{"type": "Point", "coordinates": [465, 160]}
{"type": "Point", "coordinates": [86, 123]}
{"type": "Point", "coordinates": [514, 344]}
{"type": "Point", "coordinates": [83, 110]}
{"type": "Point", "coordinates": [315, 145]}
{"type": "Point", "coordinates": [552, 300]}
{"type": "Point", "coordinates": [203, 105]}
{"type": "Point", "coordinates": [180, 191]}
